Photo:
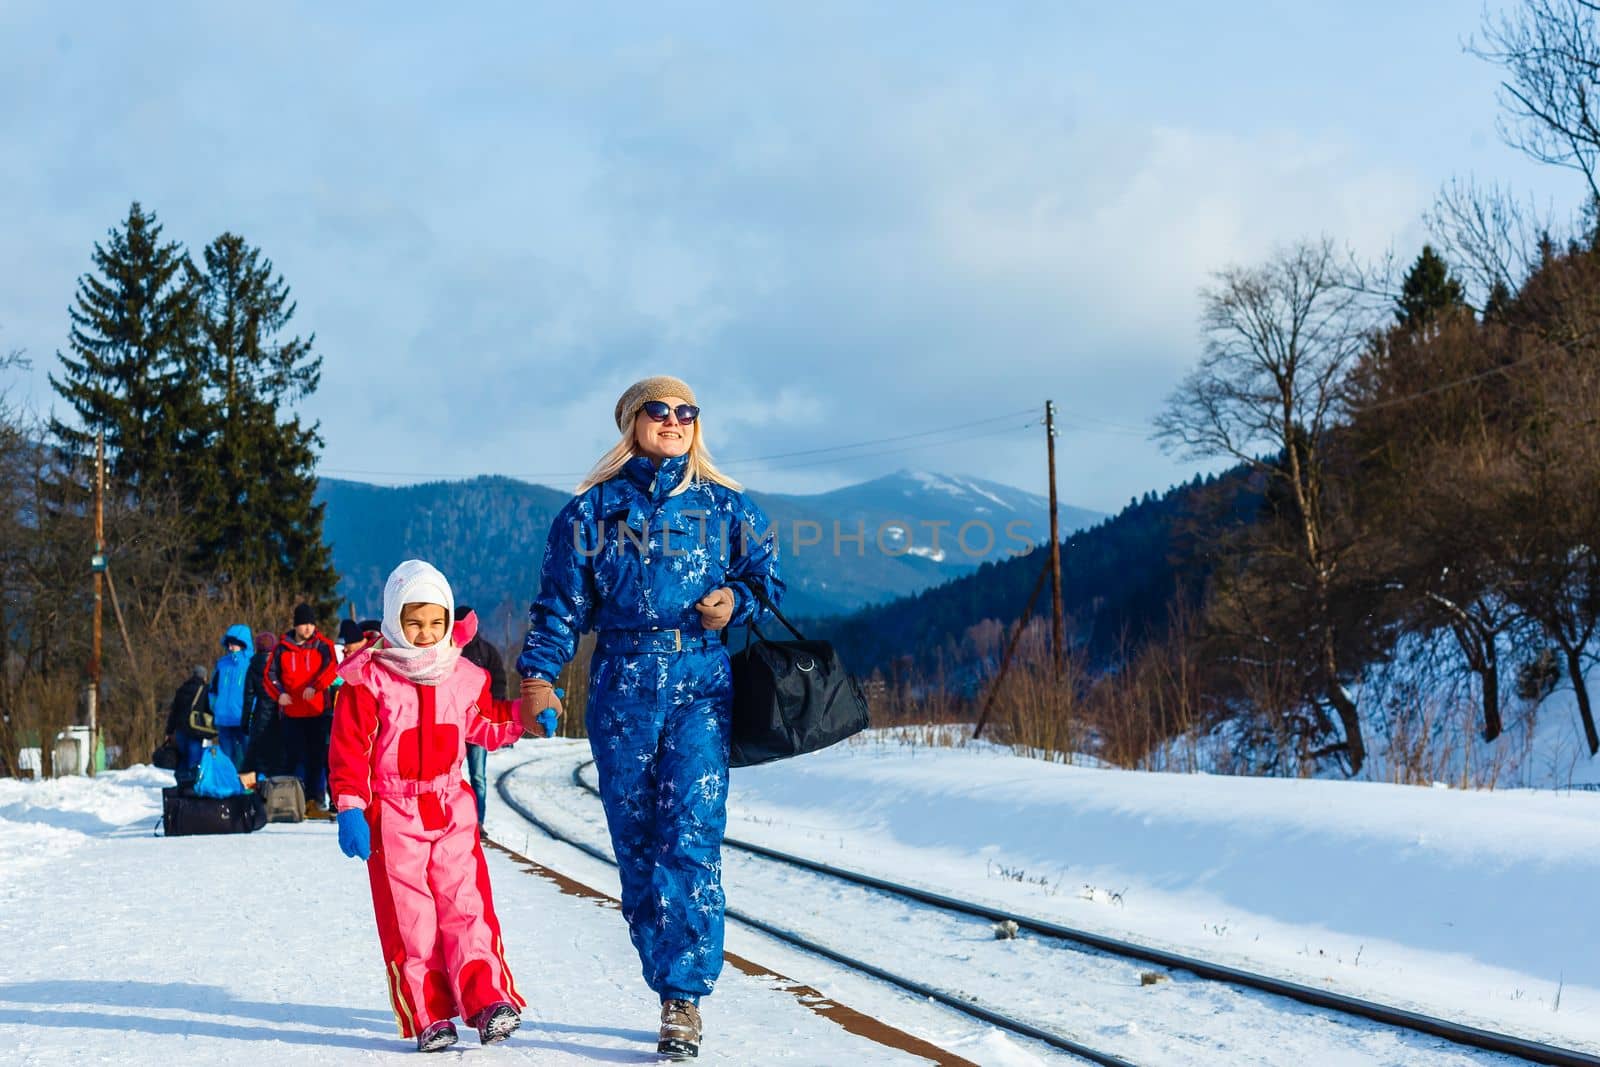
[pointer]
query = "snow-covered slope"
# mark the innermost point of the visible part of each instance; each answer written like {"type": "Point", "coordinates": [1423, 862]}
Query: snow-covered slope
{"type": "Point", "coordinates": [1475, 905]}
{"type": "Point", "coordinates": [1421, 720]}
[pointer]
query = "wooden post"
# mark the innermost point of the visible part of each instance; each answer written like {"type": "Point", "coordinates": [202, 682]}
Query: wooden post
{"type": "Point", "coordinates": [1057, 628]}
{"type": "Point", "coordinates": [1011, 646]}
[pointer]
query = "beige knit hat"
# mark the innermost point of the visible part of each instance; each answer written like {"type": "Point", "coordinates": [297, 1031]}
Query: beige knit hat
{"type": "Point", "coordinates": [657, 388]}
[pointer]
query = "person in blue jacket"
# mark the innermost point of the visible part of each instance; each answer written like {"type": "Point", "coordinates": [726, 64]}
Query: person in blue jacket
{"type": "Point", "coordinates": [227, 692]}
{"type": "Point", "coordinates": [656, 553]}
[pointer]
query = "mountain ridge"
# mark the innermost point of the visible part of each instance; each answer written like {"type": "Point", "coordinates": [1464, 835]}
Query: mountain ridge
{"type": "Point", "coordinates": [843, 549]}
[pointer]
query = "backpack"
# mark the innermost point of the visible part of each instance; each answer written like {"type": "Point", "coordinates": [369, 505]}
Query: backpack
{"type": "Point", "coordinates": [285, 798]}
{"type": "Point", "coordinates": [201, 722]}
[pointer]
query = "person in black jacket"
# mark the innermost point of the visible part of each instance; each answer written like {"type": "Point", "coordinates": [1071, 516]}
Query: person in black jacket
{"type": "Point", "coordinates": [264, 737]}
{"type": "Point", "coordinates": [190, 746]}
{"type": "Point", "coordinates": [486, 656]}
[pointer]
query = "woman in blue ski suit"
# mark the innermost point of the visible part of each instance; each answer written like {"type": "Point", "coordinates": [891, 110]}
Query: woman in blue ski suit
{"type": "Point", "coordinates": [227, 691]}
{"type": "Point", "coordinates": [654, 554]}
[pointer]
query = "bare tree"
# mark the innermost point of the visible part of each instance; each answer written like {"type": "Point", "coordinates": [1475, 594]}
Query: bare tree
{"type": "Point", "coordinates": [1279, 339]}
{"type": "Point", "coordinates": [1491, 236]}
{"type": "Point", "coordinates": [13, 484]}
{"type": "Point", "coordinates": [1555, 564]}
{"type": "Point", "coordinates": [1551, 91]}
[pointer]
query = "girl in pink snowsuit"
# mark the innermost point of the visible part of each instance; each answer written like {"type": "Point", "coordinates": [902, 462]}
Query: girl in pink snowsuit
{"type": "Point", "coordinates": [407, 709]}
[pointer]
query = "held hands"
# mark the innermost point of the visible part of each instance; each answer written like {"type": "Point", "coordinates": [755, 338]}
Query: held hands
{"type": "Point", "coordinates": [284, 700]}
{"type": "Point", "coordinates": [355, 839]}
{"type": "Point", "coordinates": [539, 697]}
{"type": "Point", "coordinates": [715, 608]}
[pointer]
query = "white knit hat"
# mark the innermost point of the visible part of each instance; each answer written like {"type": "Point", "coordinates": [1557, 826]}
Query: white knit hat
{"type": "Point", "coordinates": [413, 582]}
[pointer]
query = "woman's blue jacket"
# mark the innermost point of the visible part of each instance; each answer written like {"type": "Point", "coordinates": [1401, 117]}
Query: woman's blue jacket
{"type": "Point", "coordinates": [627, 554]}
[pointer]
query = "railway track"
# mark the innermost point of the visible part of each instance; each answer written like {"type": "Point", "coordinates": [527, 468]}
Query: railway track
{"type": "Point", "coordinates": [1442, 1029]}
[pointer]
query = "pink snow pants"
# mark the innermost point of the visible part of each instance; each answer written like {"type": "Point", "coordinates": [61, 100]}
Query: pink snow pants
{"type": "Point", "coordinates": [430, 892]}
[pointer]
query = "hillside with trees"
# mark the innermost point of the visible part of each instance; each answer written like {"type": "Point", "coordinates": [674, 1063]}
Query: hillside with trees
{"type": "Point", "coordinates": [1405, 558]}
{"type": "Point", "coordinates": [1120, 581]}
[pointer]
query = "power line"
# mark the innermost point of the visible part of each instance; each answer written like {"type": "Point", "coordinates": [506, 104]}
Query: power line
{"type": "Point", "coordinates": [882, 440]}
{"type": "Point", "coordinates": [1030, 426]}
{"type": "Point", "coordinates": [1113, 428]}
{"type": "Point", "coordinates": [775, 468]}
{"type": "Point", "coordinates": [435, 476]}
{"type": "Point", "coordinates": [1108, 424]}
{"type": "Point", "coordinates": [1395, 401]}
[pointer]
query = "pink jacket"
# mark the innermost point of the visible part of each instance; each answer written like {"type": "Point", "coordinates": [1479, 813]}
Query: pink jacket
{"type": "Point", "coordinates": [392, 737]}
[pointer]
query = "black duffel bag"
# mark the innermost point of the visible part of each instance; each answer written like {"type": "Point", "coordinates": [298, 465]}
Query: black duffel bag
{"type": "Point", "coordinates": [184, 812]}
{"type": "Point", "coordinates": [167, 756]}
{"type": "Point", "coordinates": [790, 697]}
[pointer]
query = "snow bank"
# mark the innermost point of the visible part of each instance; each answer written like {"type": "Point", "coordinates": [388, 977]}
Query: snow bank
{"type": "Point", "coordinates": [40, 821]}
{"type": "Point", "coordinates": [1440, 898]}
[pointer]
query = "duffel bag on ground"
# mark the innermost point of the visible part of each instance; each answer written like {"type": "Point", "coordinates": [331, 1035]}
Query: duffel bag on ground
{"type": "Point", "coordinates": [285, 798]}
{"type": "Point", "coordinates": [183, 812]}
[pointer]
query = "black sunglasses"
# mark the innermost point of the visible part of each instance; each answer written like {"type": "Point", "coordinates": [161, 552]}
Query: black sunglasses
{"type": "Point", "coordinates": [658, 410]}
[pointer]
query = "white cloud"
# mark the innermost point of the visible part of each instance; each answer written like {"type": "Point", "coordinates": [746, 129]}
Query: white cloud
{"type": "Point", "coordinates": [839, 225]}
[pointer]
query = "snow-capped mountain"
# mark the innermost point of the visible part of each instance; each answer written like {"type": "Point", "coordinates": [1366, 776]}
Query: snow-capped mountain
{"type": "Point", "coordinates": [945, 518]}
{"type": "Point", "coordinates": [843, 549]}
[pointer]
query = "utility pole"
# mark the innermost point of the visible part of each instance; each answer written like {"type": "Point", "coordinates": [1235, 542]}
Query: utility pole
{"type": "Point", "coordinates": [1057, 627]}
{"type": "Point", "coordinates": [97, 564]}
{"type": "Point", "coordinates": [1011, 646]}
{"type": "Point", "coordinates": [1052, 568]}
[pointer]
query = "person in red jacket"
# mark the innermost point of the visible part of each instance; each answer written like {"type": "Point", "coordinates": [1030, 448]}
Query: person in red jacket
{"type": "Point", "coordinates": [298, 673]}
{"type": "Point", "coordinates": [408, 707]}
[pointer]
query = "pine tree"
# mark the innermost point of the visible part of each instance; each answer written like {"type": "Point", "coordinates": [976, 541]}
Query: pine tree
{"type": "Point", "coordinates": [1494, 308]}
{"type": "Point", "coordinates": [1428, 290]}
{"type": "Point", "coordinates": [257, 518]}
{"type": "Point", "coordinates": [134, 336]}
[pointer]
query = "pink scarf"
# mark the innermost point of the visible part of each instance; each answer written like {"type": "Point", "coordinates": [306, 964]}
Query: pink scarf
{"type": "Point", "coordinates": [431, 665]}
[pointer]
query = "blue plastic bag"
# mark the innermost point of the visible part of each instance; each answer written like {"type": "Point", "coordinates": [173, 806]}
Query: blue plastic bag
{"type": "Point", "coordinates": [218, 777]}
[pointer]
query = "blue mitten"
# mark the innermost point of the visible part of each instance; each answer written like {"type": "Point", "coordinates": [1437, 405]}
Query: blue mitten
{"type": "Point", "coordinates": [355, 839]}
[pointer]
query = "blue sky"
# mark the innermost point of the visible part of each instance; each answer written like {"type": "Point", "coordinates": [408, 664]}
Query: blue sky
{"type": "Point", "coordinates": [839, 222]}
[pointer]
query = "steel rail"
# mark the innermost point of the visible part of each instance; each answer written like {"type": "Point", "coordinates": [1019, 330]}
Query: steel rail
{"type": "Point", "coordinates": [910, 985]}
{"type": "Point", "coordinates": [1456, 1033]}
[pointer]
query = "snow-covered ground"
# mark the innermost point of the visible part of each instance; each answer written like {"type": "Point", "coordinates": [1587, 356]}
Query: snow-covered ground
{"type": "Point", "coordinates": [128, 947]}
{"type": "Point", "coordinates": [1475, 905]}
{"type": "Point", "coordinates": [123, 947]}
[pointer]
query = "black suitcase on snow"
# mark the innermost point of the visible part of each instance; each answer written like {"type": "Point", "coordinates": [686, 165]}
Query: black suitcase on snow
{"type": "Point", "coordinates": [183, 812]}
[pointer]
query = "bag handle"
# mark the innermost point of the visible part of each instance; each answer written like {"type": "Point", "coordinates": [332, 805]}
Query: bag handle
{"type": "Point", "coordinates": [767, 603]}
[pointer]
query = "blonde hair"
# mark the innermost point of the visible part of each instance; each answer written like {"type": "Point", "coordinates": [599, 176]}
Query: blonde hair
{"type": "Point", "coordinates": [698, 469]}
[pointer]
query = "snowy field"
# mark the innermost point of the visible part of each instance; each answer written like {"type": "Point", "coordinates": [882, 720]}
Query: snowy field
{"type": "Point", "coordinates": [1474, 905]}
{"type": "Point", "coordinates": [122, 947]}
{"type": "Point", "coordinates": [126, 947]}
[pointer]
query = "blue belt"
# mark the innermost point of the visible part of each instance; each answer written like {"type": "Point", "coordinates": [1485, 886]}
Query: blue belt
{"type": "Point", "coordinates": [646, 642]}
